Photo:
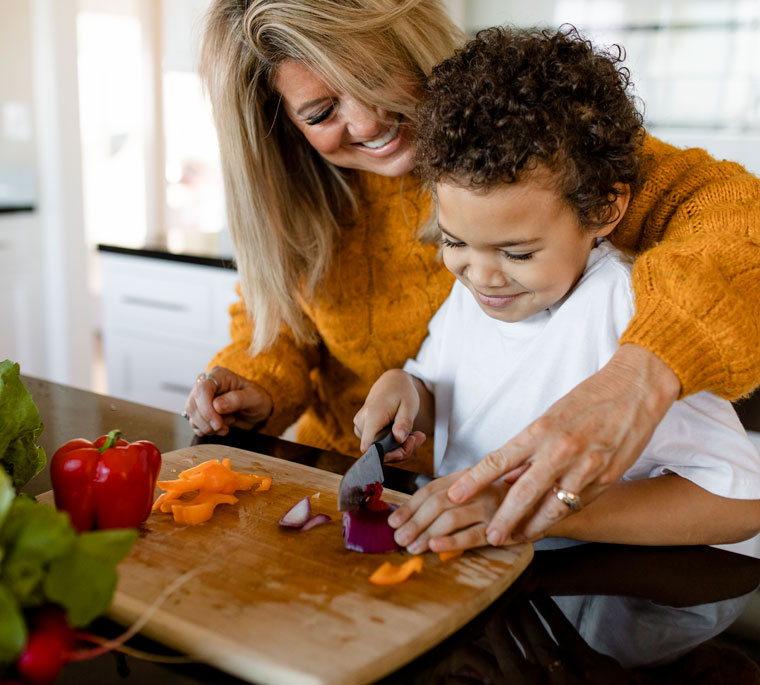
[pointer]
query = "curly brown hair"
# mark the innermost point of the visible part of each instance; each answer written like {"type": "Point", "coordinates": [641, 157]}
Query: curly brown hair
{"type": "Point", "coordinates": [512, 99]}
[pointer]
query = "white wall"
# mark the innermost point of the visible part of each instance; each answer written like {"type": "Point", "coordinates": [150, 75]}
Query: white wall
{"type": "Point", "coordinates": [45, 273]}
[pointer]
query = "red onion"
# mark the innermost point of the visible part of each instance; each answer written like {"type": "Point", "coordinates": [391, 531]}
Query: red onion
{"type": "Point", "coordinates": [367, 530]}
{"type": "Point", "coordinates": [299, 514]}
{"type": "Point", "coordinates": [317, 520]}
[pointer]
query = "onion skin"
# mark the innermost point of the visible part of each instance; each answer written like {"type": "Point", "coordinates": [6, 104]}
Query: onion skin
{"type": "Point", "coordinates": [367, 530]}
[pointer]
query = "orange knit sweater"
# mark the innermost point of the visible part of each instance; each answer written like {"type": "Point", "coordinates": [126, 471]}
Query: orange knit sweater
{"type": "Point", "coordinates": [695, 225]}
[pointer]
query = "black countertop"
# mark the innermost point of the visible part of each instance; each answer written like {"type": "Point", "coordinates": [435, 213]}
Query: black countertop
{"type": "Point", "coordinates": [210, 258]}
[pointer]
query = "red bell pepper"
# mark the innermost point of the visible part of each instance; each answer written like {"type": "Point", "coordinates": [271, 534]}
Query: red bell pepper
{"type": "Point", "coordinates": [108, 483]}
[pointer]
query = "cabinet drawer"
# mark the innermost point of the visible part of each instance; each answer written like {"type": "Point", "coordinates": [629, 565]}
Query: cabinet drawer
{"type": "Point", "coordinates": [156, 374]}
{"type": "Point", "coordinates": [154, 297]}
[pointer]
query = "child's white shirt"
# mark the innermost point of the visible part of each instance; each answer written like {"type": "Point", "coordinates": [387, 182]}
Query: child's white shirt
{"type": "Point", "coordinates": [492, 378]}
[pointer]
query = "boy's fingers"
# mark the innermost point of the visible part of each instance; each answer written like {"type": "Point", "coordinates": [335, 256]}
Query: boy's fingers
{"type": "Point", "coordinates": [411, 444]}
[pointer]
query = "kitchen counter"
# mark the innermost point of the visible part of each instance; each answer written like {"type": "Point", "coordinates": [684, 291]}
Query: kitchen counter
{"type": "Point", "coordinates": [670, 576]}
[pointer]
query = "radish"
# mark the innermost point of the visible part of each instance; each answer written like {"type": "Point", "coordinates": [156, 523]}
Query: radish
{"type": "Point", "coordinates": [48, 647]}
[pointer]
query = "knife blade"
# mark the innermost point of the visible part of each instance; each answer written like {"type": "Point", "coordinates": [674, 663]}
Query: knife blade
{"type": "Point", "coordinates": [367, 469]}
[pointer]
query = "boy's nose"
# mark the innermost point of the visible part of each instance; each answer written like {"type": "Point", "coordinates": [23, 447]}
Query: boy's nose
{"type": "Point", "coordinates": [484, 273]}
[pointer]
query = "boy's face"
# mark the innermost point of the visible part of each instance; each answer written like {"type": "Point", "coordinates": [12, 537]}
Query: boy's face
{"type": "Point", "coordinates": [519, 248]}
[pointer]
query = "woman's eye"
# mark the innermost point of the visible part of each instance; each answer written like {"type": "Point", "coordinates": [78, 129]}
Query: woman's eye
{"type": "Point", "coordinates": [518, 257]}
{"type": "Point", "coordinates": [320, 117]}
{"type": "Point", "coordinates": [446, 242]}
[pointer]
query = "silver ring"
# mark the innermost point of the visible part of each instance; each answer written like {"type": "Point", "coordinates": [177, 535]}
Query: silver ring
{"type": "Point", "coordinates": [569, 498]}
{"type": "Point", "coordinates": [185, 416]}
{"type": "Point", "coordinates": [207, 377]}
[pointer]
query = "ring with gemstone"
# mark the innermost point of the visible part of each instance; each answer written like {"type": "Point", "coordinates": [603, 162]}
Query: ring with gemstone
{"type": "Point", "coordinates": [568, 498]}
{"type": "Point", "coordinates": [185, 415]}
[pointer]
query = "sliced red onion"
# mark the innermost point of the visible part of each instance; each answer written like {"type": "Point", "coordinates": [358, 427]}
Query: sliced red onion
{"type": "Point", "coordinates": [317, 520]}
{"type": "Point", "coordinates": [367, 530]}
{"type": "Point", "coordinates": [297, 515]}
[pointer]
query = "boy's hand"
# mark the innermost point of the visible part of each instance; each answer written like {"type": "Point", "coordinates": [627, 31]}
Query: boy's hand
{"type": "Point", "coordinates": [393, 398]}
{"type": "Point", "coordinates": [429, 520]}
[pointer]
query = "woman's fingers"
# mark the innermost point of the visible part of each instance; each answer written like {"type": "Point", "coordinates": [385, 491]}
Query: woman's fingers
{"type": "Point", "coordinates": [228, 400]}
{"type": "Point", "coordinates": [494, 465]}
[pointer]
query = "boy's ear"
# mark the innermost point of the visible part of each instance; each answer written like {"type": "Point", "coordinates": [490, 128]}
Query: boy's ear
{"type": "Point", "coordinates": [617, 210]}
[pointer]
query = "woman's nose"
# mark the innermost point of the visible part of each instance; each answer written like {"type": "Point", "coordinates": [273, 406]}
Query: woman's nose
{"type": "Point", "coordinates": [362, 122]}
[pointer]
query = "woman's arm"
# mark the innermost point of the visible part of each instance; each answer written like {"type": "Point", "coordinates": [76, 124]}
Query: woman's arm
{"type": "Point", "coordinates": [695, 226]}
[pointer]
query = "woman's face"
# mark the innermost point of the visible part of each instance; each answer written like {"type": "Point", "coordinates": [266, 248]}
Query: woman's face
{"type": "Point", "coordinates": [344, 131]}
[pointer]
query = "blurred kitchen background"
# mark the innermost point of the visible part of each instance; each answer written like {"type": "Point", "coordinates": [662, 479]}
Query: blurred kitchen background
{"type": "Point", "coordinates": [114, 257]}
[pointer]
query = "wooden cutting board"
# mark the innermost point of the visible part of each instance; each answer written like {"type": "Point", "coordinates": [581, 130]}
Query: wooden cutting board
{"type": "Point", "coordinates": [272, 605]}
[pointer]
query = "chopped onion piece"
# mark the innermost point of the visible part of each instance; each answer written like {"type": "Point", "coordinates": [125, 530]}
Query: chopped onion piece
{"type": "Point", "coordinates": [297, 515]}
{"type": "Point", "coordinates": [367, 530]}
{"type": "Point", "coordinates": [317, 520]}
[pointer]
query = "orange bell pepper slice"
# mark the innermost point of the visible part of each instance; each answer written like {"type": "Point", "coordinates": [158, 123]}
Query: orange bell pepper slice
{"type": "Point", "coordinates": [388, 574]}
{"type": "Point", "coordinates": [210, 478]}
{"type": "Point", "coordinates": [200, 508]}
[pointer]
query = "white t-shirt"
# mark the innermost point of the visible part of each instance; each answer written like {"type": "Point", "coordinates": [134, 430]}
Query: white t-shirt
{"type": "Point", "coordinates": [493, 378]}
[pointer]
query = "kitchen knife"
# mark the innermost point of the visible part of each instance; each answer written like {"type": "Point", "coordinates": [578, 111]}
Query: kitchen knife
{"type": "Point", "coordinates": [368, 469]}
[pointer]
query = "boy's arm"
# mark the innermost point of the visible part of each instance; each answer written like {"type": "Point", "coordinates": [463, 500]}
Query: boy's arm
{"type": "Point", "coordinates": [666, 510]}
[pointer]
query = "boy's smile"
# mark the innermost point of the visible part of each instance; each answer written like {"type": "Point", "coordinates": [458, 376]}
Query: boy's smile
{"type": "Point", "coordinates": [519, 247]}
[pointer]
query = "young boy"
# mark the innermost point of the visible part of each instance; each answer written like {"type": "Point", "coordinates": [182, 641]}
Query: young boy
{"type": "Point", "coordinates": [533, 147]}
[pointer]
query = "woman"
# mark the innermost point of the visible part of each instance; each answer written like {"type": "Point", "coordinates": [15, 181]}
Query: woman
{"type": "Point", "coordinates": [314, 104]}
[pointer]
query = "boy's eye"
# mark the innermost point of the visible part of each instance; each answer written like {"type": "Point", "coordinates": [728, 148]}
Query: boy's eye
{"type": "Point", "coordinates": [447, 242]}
{"type": "Point", "coordinates": [518, 257]}
{"type": "Point", "coordinates": [320, 117]}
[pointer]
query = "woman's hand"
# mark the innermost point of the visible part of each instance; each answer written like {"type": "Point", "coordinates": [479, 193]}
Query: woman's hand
{"type": "Point", "coordinates": [583, 442]}
{"type": "Point", "coordinates": [235, 402]}
{"type": "Point", "coordinates": [430, 520]}
{"type": "Point", "coordinates": [395, 397]}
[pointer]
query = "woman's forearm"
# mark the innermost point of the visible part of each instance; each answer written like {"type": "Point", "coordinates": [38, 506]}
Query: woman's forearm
{"type": "Point", "coordinates": [667, 510]}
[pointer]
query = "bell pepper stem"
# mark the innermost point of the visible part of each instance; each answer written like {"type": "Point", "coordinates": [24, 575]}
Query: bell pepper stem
{"type": "Point", "coordinates": [111, 440]}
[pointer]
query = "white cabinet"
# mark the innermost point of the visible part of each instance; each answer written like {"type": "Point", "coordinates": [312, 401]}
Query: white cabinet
{"type": "Point", "coordinates": [163, 320]}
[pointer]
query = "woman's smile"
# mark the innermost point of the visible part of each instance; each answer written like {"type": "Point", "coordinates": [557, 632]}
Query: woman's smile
{"type": "Point", "coordinates": [345, 132]}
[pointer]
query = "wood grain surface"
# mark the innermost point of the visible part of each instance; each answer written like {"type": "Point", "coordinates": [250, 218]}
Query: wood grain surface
{"type": "Point", "coordinates": [273, 605]}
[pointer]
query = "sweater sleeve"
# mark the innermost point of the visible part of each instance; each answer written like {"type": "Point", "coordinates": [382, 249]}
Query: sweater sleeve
{"type": "Point", "coordinates": [284, 370]}
{"type": "Point", "coordinates": [695, 224]}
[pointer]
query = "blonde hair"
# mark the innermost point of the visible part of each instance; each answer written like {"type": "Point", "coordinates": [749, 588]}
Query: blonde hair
{"type": "Point", "coordinates": [285, 203]}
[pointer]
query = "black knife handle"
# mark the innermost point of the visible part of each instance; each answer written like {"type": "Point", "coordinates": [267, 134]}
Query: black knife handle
{"type": "Point", "coordinates": [387, 443]}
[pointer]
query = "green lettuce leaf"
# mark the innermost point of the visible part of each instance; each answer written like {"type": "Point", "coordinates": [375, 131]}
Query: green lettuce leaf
{"type": "Point", "coordinates": [20, 427]}
{"type": "Point", "coordinates": [12, 627]}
